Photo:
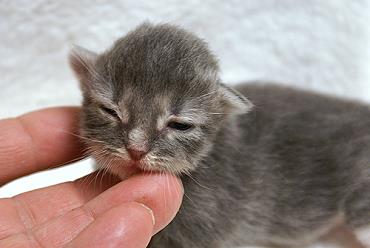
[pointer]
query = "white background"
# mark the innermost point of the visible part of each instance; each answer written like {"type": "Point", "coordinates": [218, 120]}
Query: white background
{"type": "Point", "coordinates": [315, 44]}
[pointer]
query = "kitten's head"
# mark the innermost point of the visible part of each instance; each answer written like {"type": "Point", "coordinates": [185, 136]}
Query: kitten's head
{"type": "Point", "coordinates": [153, 101]}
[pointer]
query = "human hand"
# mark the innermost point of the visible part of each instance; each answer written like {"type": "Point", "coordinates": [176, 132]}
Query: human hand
{"type": "Point", "coordinates": [83, 213]}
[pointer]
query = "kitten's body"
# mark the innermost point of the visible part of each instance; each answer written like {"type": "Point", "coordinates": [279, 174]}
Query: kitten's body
{"type": "Point", "coordinates": [280, 174]}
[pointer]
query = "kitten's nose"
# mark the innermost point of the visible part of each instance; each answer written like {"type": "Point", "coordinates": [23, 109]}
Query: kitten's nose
{"type": "Point", "coordinates": [136, 154]}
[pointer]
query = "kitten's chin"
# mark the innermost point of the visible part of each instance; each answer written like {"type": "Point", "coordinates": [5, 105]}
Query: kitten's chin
{"type": "Point", "coordinates": [127, 171]}
{"type": "Point", "coordinates": [121, 168]}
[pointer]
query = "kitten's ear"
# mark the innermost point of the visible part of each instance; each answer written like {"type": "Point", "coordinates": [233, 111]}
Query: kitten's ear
{"type": "Point", "coordinates": [233, 101]}
{"type": "Point", "coordinates": [82, 63]}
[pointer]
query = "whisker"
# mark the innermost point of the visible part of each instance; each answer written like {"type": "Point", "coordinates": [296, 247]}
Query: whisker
{"type": "Point", "coordinates": [192, 178]}
{"type": "Point", "coordinates": [80, 158]}
{"type": "Point", "coordinates": [92, 72]}
{"type": "Point", "coordinates": [209, 94]}
{"type": "Point", "coordinates": [219, 114]}
{"type": "Point", "coordinates": [189, 198]}
{"type": "Point", "coordinates": [82, 137]}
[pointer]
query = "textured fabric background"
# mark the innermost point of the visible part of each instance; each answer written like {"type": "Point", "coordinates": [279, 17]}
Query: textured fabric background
{"type": "Point", "coordinates": [320, 45]}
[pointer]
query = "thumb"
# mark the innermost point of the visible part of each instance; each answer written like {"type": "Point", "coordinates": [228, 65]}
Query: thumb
{"type": "Point", "coordinates": [128, 225]}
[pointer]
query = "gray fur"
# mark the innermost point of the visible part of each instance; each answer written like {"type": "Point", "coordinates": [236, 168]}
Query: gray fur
{"type": "Point", "coordinates": [279, 174]}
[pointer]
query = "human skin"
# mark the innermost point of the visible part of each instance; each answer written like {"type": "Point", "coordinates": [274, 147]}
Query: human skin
{"type": "Point", "coordinates": [94, 211]}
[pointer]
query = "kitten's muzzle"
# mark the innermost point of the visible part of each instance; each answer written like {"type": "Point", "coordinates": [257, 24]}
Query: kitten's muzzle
{"type": "Point", "coordinates": [136, 154]}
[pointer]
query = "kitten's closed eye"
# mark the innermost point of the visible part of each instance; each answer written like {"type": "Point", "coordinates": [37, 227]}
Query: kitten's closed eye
{"type": "Point", "coordinates": [181, 126]}
{"type": "Point", "coordinates": [109, 111]}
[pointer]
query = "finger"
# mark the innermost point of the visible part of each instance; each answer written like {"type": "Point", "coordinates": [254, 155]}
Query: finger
{"type": "Point", "coordinates": [38, 140]}
{"type": "Point", "coordinates": [128, 225]}
{"type": "Point", "coordinates": [33, 208]}
{"type": "Point", "coordinates": [160, 192]}
{"type": "Point", "coordinates": [163, 194]}
{"type": "Point", "coordinates": [146, 189]}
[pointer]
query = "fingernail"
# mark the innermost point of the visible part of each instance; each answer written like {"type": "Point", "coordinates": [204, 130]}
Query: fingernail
{"type": "Point", "coordinates": [150, 211]}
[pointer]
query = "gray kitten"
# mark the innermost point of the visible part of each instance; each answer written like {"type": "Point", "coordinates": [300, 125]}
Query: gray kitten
{"type": "Point", "coordinates": [283, 173]}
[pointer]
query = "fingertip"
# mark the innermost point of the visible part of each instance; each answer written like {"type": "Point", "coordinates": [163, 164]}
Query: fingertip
{"type": "Point", "coordinates": [164, 198]}
{"type": "Point", "coordinates": [54, 135]}
{"type": "Point", "coordinates": [162, 193]}
{"type": "Point", "coordinates": [38, 140]}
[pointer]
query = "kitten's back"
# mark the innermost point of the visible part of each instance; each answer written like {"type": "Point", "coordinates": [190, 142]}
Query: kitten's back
{"type": "Point", "coordinates": [320, 143]}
